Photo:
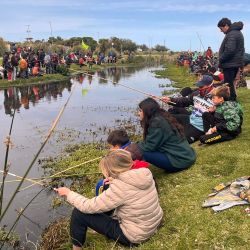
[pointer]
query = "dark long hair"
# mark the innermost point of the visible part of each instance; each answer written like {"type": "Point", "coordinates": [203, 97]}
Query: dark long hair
{"type": "Point", "coordinates": [151, 108]}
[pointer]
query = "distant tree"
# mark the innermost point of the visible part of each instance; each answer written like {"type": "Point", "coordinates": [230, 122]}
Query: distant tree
{"type": "Point", "coordinates": [52, 39]}
{"type": "Point", "coordinates": [3, 47]}
{"type": "Point", "coordinates": [37, 41]}
{"type": "Point", "coordinates": [143, 47]}
{"type": "Point", "coordinates": [58, 38]}
{"type": "Point", "coordinates": [160, 48]}
{"type": "Point", "coordinates": [117, 43]}
{"type": "Point", "coordinates": [104, 45]}
{"type": "Point", "coordinates": [128, 44]}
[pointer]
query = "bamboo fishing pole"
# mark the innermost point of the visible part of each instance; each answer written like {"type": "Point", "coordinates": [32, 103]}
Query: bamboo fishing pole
{"type": "Point", "coordinates": [65, 170]}
{"type": "Point", "coordinates": [18, 217]}
{"type": "Point", "coordinates": [44, 188]}
{"type": "Point", "coordinates": [5, 171]}
{"type": "Point", "coordinates": [20, 178]}
{"type": "Point", "coordinates": [125, 86]}
{"type": "Point", "coordinates": [36, 156]}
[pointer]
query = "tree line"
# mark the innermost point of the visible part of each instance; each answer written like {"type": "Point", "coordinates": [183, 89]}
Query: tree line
{"type": "Point", "coordinates": [120, 45]}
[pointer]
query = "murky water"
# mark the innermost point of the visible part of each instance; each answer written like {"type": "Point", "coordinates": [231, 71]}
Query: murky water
{"type": "Point", "coordinates": [95, 106]}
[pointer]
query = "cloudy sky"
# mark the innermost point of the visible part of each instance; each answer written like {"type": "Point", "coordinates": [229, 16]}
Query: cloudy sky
{"type": "Point", "coordinates": [180, 25]}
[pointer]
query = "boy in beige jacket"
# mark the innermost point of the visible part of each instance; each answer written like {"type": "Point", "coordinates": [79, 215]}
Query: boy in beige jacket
{"type": "Point", "coordinates": [131, 193]}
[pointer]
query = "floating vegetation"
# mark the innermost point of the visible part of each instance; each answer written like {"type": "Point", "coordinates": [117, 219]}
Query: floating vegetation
{"type": "Point", "coordinates": [56, 202]}
{"type": "Point", "coordinates": [12, 240]}
{"type": "Point", "coordinates": [164, 85]}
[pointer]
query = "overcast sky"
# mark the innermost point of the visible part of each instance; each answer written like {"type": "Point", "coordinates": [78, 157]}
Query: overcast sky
{"type": "Point", "coordinates": [180, 25]}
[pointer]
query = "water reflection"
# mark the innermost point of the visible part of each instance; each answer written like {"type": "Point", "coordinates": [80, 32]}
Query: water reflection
{"type": "Point", "coordinates": [115, 74]}
{"type": "Point", "coordinates": [17, 97]}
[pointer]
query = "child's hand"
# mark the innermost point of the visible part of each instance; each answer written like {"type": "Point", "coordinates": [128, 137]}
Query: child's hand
{"type": "Point", "coordinates": [211, 131]}
{"type": "Point", "coordinates": [214, 129]}
{"type": "Point", "coordinates": [62, 191]}
{"type": "Point", "coordinates": [165, 99]}
{"type": "Point", "coordinates": [211, 109]}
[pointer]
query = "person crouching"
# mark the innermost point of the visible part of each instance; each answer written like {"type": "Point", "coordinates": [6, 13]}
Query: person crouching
{"type": "Point", "coordinates": [131, 193]}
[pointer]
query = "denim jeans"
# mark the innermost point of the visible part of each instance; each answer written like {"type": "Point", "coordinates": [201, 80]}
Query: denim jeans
{"type": "Point", "coordinates": [101, 223]}
{"type": "Point", "coordinates": [160, 160]}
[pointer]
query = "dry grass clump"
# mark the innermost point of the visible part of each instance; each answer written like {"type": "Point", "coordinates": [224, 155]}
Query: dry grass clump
{"type": "Point", "coordinates": [56, 235]}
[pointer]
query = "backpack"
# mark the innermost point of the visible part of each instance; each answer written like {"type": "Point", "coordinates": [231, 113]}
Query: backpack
{"type": "Point", "coordinates": [23, 64]}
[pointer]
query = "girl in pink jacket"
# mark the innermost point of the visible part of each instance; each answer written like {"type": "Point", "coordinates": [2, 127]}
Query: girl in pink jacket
{"type": "Point", "coordinates": [131, 193]}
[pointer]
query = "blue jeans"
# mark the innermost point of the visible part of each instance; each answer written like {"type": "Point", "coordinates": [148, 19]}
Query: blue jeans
{"type": "Point", "coordinates": [160, 160]}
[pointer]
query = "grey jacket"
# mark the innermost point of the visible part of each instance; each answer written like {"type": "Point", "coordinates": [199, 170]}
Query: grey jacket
{"type": "Point", "coordinates": [231, 53]}
{"type": "Point", "coordinates": [134, 197]}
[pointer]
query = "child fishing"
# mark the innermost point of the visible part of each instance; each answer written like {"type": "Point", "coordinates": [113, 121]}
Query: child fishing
{"type": "Point", "coordinates": [119, 139]}
{"type": "Point", "coordinates": [132, 194]}
{"type": "Point", "coordinates": [223, 121]}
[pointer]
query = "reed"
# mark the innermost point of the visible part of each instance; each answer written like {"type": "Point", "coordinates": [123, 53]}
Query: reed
{"type": "Point", "coordinates": [5, 171]}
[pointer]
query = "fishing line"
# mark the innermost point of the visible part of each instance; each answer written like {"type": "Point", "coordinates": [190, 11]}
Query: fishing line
{"type": "Point", "coordinates": [20, 177]}
{"type": "Point", "coordinates": [37, 154]}
{"type": "Point", "coordinates": [18, 217]}
{"type": "Point", "coordinates": [65, 170]}
{"type": "Point", "coordinates": [125, 86]}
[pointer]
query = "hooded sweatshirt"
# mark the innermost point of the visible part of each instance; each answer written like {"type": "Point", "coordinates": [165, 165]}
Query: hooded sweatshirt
{"type": "Point", "coordinates": [231, 53]}
{"type": "Point", "coordinates": [134, 197]}
{"type": "Point", "coordinates": [232, 117]}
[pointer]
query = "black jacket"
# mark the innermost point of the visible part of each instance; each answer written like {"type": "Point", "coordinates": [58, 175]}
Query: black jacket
{"type": "Point", "coordinates": [231, 53]}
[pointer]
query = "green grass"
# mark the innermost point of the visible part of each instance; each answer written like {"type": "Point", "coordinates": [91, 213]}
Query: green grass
{"type": "Point", "coordinates": [186, 224]}
{"type": "Point", "coordinates": [33, 80]}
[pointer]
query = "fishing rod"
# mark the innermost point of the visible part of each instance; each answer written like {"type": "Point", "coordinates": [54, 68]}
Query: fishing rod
{"type": "Point", "coordinates": [49, 177]}
{"type": "Point", "coordinates": [18, 217]}
{"type": "Point", "coordinates": [37, 154]}
{"type": "Point", "coordinates": [5, 171]}
{"type": "Point", "coordinates": [200, 41]}
{"type": "Point", "coordinates": [44, 188]}
{"type": "Point", "coordinates": [123, 85]}
{"type": "Point", "coordinates": [65, 170]}
{"type": "Point", "coordinates": [20, 177]}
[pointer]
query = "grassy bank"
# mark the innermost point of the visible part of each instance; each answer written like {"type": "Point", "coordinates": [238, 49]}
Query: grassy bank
{"type": "Point", "coordinates": [186, 224]}
{"type": "Point", "coordinates": [34, 80]}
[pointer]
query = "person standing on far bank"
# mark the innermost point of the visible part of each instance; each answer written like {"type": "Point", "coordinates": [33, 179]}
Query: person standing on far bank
{"type": "Point", "coordinates": [231, 52]}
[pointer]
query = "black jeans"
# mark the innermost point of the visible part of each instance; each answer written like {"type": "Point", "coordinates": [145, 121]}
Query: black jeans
{"type": "Point", "coordinates": [192, 134]}
{"type": "Point", "coordinates": [101, 223]}
{"type": "Point", "coordinates": [209, 121]}
{"type": "Point", "coordinates": [229, 77]}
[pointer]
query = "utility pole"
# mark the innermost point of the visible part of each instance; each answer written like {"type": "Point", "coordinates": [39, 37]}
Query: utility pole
{"type": "Point", "coordinates": [51, 34]}
{"type": "Point", "coordinates": [50, 28]}
{"type": "Point", "coordinates": [28, 38]}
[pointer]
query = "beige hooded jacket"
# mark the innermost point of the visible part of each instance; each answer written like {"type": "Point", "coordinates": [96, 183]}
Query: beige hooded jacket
{"type": "Point", "coordinates": [134, 197]}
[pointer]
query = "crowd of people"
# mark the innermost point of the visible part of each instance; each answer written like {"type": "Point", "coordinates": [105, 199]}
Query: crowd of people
{"type": "Point", "coordinates": [126, 207]}
{"type": "Point", "coordinates": [25, 62]}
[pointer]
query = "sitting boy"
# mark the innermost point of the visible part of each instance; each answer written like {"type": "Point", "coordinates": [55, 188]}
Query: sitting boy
{"type": "Point", "coordinates": [223, 121]}
{"type": "Point", "coordinates": [118, 139]}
